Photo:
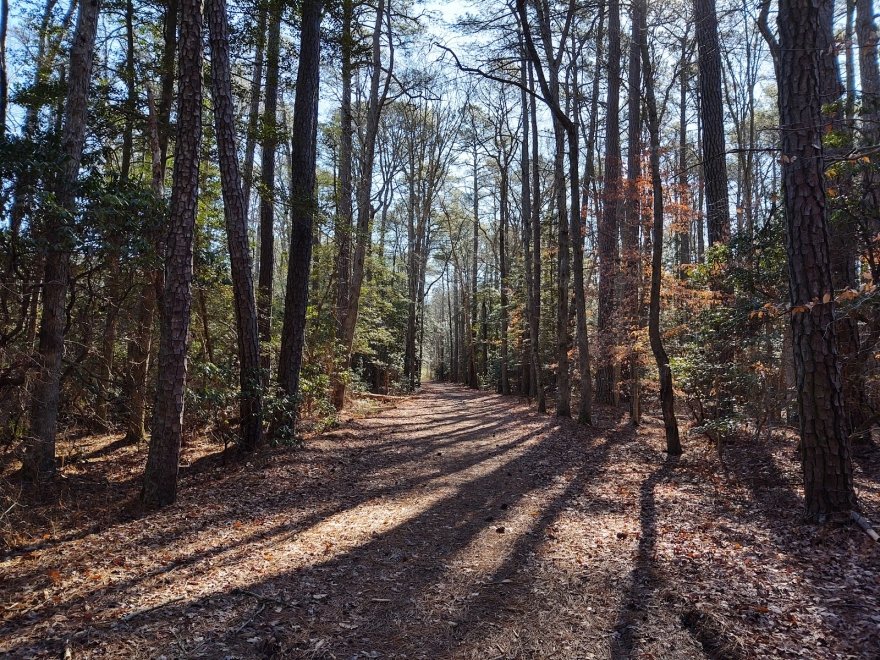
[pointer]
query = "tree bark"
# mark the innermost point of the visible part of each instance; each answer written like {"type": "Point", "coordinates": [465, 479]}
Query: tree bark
{"type": "Point", "coordinates": [609, 221]}
{"type": "Point", "coordinates": [712, 114]}
{"type": "Point", "coordinates": [160, 477]}
{"type": "Point", "coordinates": [667, 395]}
{"type": "Point", "coordinates": [235, 211]}
{"type": "Point", "coordinates": [302, 198]}
{"type": "Point", "coordinates": [4, 78]}
{"type": "Point", "coordinates": [632, 214]}
{"type": "Point", "coordinates": [349, 303]}
{"type": "Point", "coordinates": [825, 452]}
{"type": "Point", "coordinates": [269, 132]}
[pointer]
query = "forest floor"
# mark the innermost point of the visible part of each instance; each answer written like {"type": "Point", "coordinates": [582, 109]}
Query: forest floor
{"type": "Point", "coordinates": [450, 524]}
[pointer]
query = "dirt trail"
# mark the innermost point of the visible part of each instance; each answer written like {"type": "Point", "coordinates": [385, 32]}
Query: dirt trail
{"type": "Point", "coordinates": [455, 525]}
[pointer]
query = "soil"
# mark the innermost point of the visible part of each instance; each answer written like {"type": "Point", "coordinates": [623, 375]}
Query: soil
{"type": "Point", "coordinates": [450, 524]}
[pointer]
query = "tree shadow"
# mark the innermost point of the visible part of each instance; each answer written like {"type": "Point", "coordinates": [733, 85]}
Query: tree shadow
{"type": "Point", "coordinates": [389, 585]}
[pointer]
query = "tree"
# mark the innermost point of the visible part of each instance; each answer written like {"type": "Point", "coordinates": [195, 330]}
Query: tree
{"type": "Point", "coordinates": [38, 462]}
{"type": "Point", "coordinates": [825, 453]}
{"type": "Point", "coordinates": [667, 396]}
{"type": "Point", "coordinates": [269, 132]}
{"type": "Point", "coordinates": [609, 221]}
{"type": "Point", "coordinates": [160, 476]}
{"type": "Point", "coordinates": [712, 115]}
{"type": "Point", "coordinates": [302, 198]}
{"type": "Point", "coordinates": [235, 210]}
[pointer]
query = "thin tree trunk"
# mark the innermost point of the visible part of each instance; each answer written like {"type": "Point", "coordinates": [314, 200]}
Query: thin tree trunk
{"type": "Point", "coordinates": [38, 462]}
{"type": "Point", "coordinates": [536, 247]}
{"type": "Point", "coordinates": [235, 211]}
{"type": "Point", "coordinates": [684, 228]}
{"type": "Point", "coordinates": [344, 211]}
{"type": "Point", "coordinates": [606, 387]}
{"type": "Point", "coordinates": [502, 262]}
{"type": "Point", "coordinates": [363, 192]}
{"type": "Point", "coordinates": [632, 214]}
{"type": "Point", "coordinates": [250, 144]}
{"type": "Point", "coordinates": [4, 78]}
{"type": "Point", "coordinates": [667, 395]}
{"type": "Point", "coordinates": [267, 186]}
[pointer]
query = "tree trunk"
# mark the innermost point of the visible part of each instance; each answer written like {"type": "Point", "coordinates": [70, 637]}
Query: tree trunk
{"type": "Point", "coordinates": [502, 262]}
{"type": "Point", "coordinates": [667, 395]}
{"type": "Point", "coordinates": [536, 247]}
{"type": "Point", "coordinates": [606, 387]}
{"type": "Point", "coordinates": [235, 211]}
{"type": "Point", "coordinates": [160, 477]}
{"type": "Point", "coordinates": [825, 452]}
{"type": "Point", "coordinates": [712, 114]}
{"type": "Point", "coordinates": [158, 127]}
{"type": "Point", "coordinates": [363, 193]}
{"type": "Point", "coordinates": [302, 198]}
{"type": "Point", "coordinates": [344, 213]}
{"type": "Point", "coordinates": [38, 462]}
{"type": "Point", "coordinates": [533, 306]}
{"type": "Point", "coordinates": [684, 226]}
{"type": "Point", "coordinates": [632, 214]}
{"type": "Point", "coordinates": [269, 133]}
{"type": "Point", "coordinates": [473, 381]}
{"type": "Point", "coordinates": [254, 109]}
{"type": "Point", "coordinates": [4, 79]}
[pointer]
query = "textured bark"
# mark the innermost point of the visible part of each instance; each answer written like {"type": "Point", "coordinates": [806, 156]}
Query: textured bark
{"type": "Point", "coordinates": [269, 132]}
{"type": "Point", "coordinates": [38, 461]}
{"type": "Point", "coordinates": [235, 211]}
{"type": "Point", "coordinates": [606, 387]}
{"type": "Point", "coordinates": [160, 477]}
{"type": "Point", "coordinates": [825, 452]}
{"type": "Point", "coordinates": [712, 115]}
{"type": "Point", "coordinates": [667, 395]}
{"type": "Point", "coordinates": [302, 198]}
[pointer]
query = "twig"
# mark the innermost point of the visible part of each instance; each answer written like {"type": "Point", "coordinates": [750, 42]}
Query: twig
{"type": "Point", "coordinates": [863, 522]}
{"type": "Point", "coordinates": [248, 622]}
{"type": "Point", "coordinates": [132, 615]}
{"type": "Point", "coordinates": [269, 599]}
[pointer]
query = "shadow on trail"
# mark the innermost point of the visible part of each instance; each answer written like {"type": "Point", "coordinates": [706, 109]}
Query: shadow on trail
{"type": "Point", "coordinates": [388, 588]}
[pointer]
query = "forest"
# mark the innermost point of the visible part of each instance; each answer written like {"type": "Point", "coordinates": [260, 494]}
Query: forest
{"type": "Point", "coordinates": [406, 328]}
